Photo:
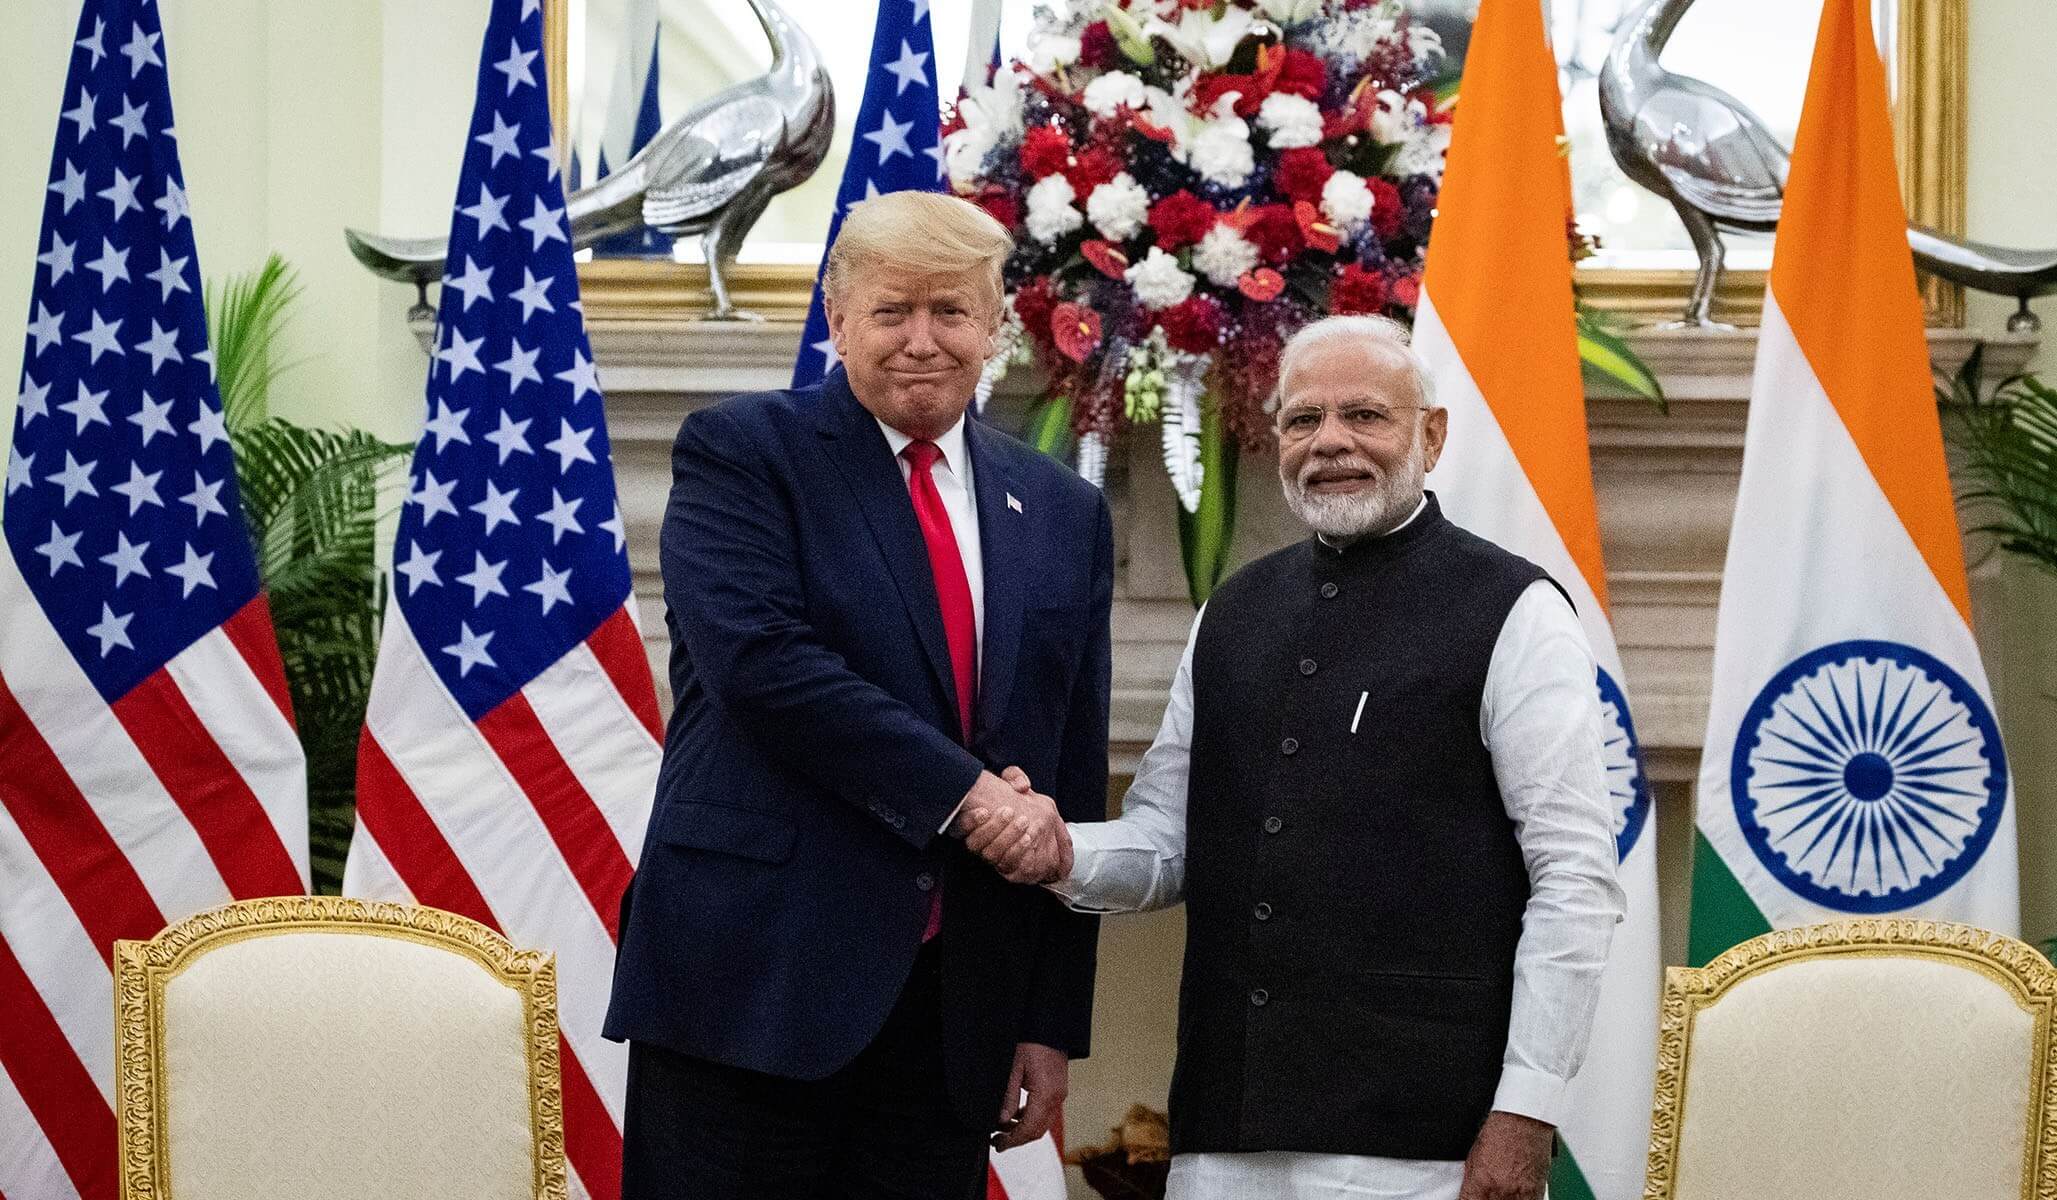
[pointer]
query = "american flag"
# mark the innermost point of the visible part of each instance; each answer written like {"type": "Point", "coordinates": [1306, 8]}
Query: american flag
{"type": "Point", "coordinates": [510, 747]}
{"type": "Point", "coordinates": [150, 764]}
{"type": "Point", "coordinates": [897, 147]}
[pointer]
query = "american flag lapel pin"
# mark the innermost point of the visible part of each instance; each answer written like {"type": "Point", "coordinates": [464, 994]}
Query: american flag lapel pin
{"type": "Point", "coordinates": [1013, 503]}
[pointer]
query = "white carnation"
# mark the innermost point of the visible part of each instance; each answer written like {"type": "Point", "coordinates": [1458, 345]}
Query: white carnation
{"type": "Point", "coordinates": [1223, 255]}
{"type": "Point", "coordinates": [1118, 207]}
{"type": "Point", "coordinates": [1346, 200]}
{"type": "Point", "coordinates": [1221, 151]}
{"type": "Point", "coordinates": [1395, 118]}
{"type": "Point", "coordinates": [1051, 51]}
{"type": "Point", "coordinates": [1113, 92]}
{"type": "Point", "coordinates": [1051, 213]}
{"type": "Point", "coordinates": [1423, 153]}
{"type": "Point", "coordinates": [1158, 281]}
{"type": "Point", "coordinates": [1290, 120]}
{"type": "Point", "coordinates": [964, 154]}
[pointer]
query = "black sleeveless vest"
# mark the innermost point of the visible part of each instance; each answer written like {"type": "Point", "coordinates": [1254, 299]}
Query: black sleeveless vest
{"type": "Point", "coordinates": [1354, 891]}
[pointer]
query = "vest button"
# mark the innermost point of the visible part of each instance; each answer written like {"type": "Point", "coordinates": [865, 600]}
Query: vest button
{"type": "Point", "coordinates": [1259, 997]}
{"type": "Point", "coordinates": [1306, 666]}
{"type": "Point", "coordinates": [1329, 590]}
{"type": "Point", "coordinates": [1273, 824]}
{"type": "Point", "coordinates": [1262, 912]}
{"type": "Point", "coordinates": [1289, 746]}
{"type": "Point", "coordinates": [925, 882]}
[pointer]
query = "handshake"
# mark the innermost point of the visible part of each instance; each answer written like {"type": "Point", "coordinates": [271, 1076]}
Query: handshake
{"type": "Point", "coordinates": [1014, 828]}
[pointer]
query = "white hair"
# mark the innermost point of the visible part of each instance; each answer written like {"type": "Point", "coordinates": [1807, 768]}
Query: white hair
{"type": "Point", "coordinates": [1363, 327]}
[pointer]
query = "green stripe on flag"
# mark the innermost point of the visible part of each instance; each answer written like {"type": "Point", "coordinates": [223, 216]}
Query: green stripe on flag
{"type": "Point", "coordinates": [1723, 913]}
{"type": "Point", "coordinates": [1566, 1182]}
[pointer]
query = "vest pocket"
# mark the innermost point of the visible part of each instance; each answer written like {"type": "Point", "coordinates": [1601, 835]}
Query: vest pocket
{"type": "Point", "coordinates": [725, 829]}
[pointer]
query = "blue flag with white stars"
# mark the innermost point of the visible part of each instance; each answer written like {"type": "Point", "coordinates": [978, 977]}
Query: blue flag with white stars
{"type": "Point", "coordinates": [510, 549]}
{"type": "Point", "coordinates": [122, 513]}
{"type": "Point", "coordinates": [897, 146]}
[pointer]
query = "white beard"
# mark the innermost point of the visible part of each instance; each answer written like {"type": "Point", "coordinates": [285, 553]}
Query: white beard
{"type": "Point", "coordinates": [1364, 514]}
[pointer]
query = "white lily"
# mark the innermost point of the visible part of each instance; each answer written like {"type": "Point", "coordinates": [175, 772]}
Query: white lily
{"type": "Point", "coordinates": [1205, 40]}
{"type": "Point", "coordinates": [1289, 12]}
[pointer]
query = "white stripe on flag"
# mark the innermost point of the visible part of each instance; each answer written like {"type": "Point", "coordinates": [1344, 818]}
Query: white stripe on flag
{"type": "Point", "coordinates": [28, 1166]}
{"type": "Point", "coordinates": [1031, 1172]}
{"type": "Point", "coordinates": [368, 873]}
{"type": "Point", "coordinates": [246, 723]}
{"type": "Point", "coordinates": [503, 844]}
{"type": "Point", "coordinates": [57, 956]}
{"type": "Point", "coordinates": [603, 741]}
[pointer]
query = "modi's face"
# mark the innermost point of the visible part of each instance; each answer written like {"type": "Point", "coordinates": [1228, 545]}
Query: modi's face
{"type": "Point", "coordinates": [913, 345]}
{"type": "Point", "coordinates": [1355, 443]}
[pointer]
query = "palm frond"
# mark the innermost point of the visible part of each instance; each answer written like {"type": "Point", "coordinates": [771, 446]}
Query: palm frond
{"type": "Point", "coordinates": [1607, 359]}
{"type": "Point", "coordinates": [245, 317]}
{"type": "Point", "coordinates": [2009, 465]}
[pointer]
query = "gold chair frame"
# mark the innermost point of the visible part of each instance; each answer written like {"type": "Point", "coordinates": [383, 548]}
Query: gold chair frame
{"type": "Point", "coordinates": [143, 969]}
{"type": "Point", "coordinates": [2026, 974]}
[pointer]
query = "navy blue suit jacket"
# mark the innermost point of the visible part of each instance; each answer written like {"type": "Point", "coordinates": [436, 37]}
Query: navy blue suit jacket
{"type": "Point", "coordinates": [812, 755]}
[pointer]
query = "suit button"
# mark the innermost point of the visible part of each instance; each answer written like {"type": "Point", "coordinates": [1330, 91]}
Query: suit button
{"type": "Point", "coordinates": [1259, 997]}
{"type": "Point", "coordinates": [925, 881]}
{"type": "Point", "coordinates": [1262, 912]}
{"type": "Point", "coordinates": [1273, 824]}
{"type": "Point", "coordinates": [1306, 666]}
{"type": "Point", "coordinates": [1289, 746]}
{"type": "Point", "coordinates": [1329, 590]}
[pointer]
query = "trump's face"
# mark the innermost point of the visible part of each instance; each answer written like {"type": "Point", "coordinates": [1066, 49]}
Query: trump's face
{"type": "Point", "coordinates": [914, 345]}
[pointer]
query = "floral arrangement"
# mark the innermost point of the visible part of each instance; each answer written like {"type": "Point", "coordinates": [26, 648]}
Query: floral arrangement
{"type": "Point", "coordinates": [1188, 181]}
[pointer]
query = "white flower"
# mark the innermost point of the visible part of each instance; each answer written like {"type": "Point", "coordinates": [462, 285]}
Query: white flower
{"type": "Point", "coordinates": [1290, 120]}
{"type": "Point", "coordinates": [1114, 91]}
{"type": "Point", "coordinates": [1423, 153]}
{"type": "Point", "coordinates": [1223, 255]}
{"type": "Point", "coordinates": [1355, 34]}
{"type": "Point", "coordinates": [995, 106]}
{"type": "Point", "coordinates": [1220, 152]}
{"type": "Point", "coordinates": [1118, 207]}
{"type": "Point", "coordinates": [1051, 213]}
{"type": "Point", "coordinates": [1346, 200]}
{"type": "Point", "coordinates": [1289, 12]}
{"type": "Point", "coordinates": [1051, 51]}
{"type": "Point", "coordinates": [964, 154]}
{"type": "Point", "coordinates": [1395, 118]}
{"type": "Point", "coordinates": [1201, 38]}
{"type": "Point", "coordinates": [1158, 281]}
{"type": "Point", "coordinates": [1425, 43]}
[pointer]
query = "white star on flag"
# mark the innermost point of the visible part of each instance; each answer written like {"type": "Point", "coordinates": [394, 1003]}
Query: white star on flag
{"type": "Point", "coordinates": [470, 649]}
{"type": "Point", "coordinates": [511, 437]}
{"type": "Point", "coordinates": [520, 365]}
{"type": "Point", "coordinates": [447, 425]}
{"type": "Point", "coordinates": [141, 489]}
{"type": "Point", "coordinates": [890, 137]}
{"type": "Point", "coordinates": [583, 376]}
{"type": "Point", "coordinates": [474, 284]}
{"type": "Point", "coordinates": [533, 295]}
{"type": "Point", "coordinates": [497, 507]}
{"type": "Point", "coordinates": [488, 212]}
{"type": "Point", "coordinates": [121, 194]}
{"type": "Point", "coordinates": [72, 187]}
{"type": "Point", "coordinates": [111, 265]}
{"type": "Point", "coordinates": [151, 419]}
{"type": "Point", "coordinates": [161, 347]}
{"type": "Point", "coordinates": [434, 497]}
{"type": "Point", "coordinates": [62, 549]}
{"type": "Point", "coordinates": [551, 588]}
{"type": "Point", "coordinates": [130, 122]}
{"type": "Point", "coordinates": [516, 67]}
{"type": "Point", "coordinates": [141, 50]}
{"type": "Point", "coordinates": [503, 140]}
{"type": "Point", "coordinates": [570, 445]}
{"type": "Point", "coordinates": [87, 408]}
{"type": "Point", "coordinates": [112, 630]}
{"type": "Point", "coordinates": [909, 68]}
{"type": "Point", "coordinates": [545, 224]}
{"type": "Point", "coordinates": [420, 568]}
{"type": "Point", "coordinates": [58, 257]}
{"type": "Point", "coordinates": [126, 559]}
{"type": "Point", "coordinates": [194, 572]}
{"type": "Point", "coordinates": [205, 499]}
{"type": "Point", "coordinates": [170, 275]}
{"type": "Point", "coordinates": [483, 579]}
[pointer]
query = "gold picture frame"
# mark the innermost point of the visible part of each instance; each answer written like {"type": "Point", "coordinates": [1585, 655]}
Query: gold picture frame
{"type": "Point", "coordinates": [1930, 41]}
{"type": "Point", "coordinates": [143, 969]}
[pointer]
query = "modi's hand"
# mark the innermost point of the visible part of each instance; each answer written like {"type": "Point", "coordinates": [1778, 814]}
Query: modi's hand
{"type": "Point", "coordinates": [1016, 829]}
{"type": "Point", "coordinates": [1510, 1159]}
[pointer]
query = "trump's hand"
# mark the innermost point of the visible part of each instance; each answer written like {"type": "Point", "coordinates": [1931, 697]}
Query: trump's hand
{"type": "Point", "coordinates": [1510, 1160]}
{"type": "Point", "coordinates": [1019, 831]}
{"type": "Point", "coordinates": [1044, 1072]}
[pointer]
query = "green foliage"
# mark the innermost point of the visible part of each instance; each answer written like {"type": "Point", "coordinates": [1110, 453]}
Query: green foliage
{"type": "Point", "coordinates": [2009, 444]}
{"type": "Point", "coordinates": [1049, 427]}
{"type": "Point", "coordinates": [311, 499]}
{"type": "Point", "coordinates": [1205, 535]}
{"type": "Point", "coordinates": [1605, 358]}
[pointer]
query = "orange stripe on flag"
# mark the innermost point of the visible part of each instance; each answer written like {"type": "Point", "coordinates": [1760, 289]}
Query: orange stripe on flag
{"type": "Point", "coordinates": [1844, 279]}
{"type": "Point", "coordinates": [1499, 266]}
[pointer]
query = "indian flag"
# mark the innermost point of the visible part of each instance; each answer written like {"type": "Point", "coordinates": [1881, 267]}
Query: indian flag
{"type": "Point", "coordinates": [1853, 764]}
{"type": "Point", "coordinates": [1496, 327]}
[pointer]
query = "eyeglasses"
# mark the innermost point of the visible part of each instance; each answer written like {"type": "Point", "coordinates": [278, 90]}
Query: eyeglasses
{"type": "Point", "coordinates": [1301, 422]}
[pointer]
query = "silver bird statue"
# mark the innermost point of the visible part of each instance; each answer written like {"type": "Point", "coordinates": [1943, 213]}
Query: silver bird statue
{"type": "Point", "coordinates": [711, 172]}
{"type": "Point", "coordinates": [1719, 167]}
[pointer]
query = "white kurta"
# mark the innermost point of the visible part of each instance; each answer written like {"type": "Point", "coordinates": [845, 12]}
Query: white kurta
{"type": "Point", "coordinates": [1540, 721]}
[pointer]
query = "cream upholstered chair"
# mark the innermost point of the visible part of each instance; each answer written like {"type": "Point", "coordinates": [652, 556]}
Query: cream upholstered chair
{"type": "Point", "coordinates": [315, 1047]}
{"type": "Point", "coordinates": [1861, 1060]}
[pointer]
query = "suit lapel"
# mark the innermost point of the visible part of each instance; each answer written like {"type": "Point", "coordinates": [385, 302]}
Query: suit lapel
{"type": "Point", "coordinates": [1003, 530]}
{"type": "Point", "coordinates": [860, 452]}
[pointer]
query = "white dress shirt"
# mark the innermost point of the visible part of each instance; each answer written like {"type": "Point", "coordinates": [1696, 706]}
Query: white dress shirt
{"type": "Point", "coordinates": [1540, 720]}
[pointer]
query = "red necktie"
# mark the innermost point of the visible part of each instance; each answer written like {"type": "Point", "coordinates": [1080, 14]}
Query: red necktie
{"type": "Point", "coordinates": [953, 593]}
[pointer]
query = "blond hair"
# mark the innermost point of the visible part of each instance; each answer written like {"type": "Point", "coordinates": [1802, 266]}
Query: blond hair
{"type": "Point", "coordinates": [925, 233]}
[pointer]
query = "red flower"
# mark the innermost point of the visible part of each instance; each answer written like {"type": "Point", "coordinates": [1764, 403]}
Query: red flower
{"type": "Point", "coordinates": [1003, 207]}
{"type": "Point", "coordinates": [1044, 151]}
{"type": "Point", "coordinates": [1407, 290]}
{"type": "Point", "coordinates": [1091, 169]}
{"type": "Point", "coordinates": [1387, 212]}
{"type": "Point", "coordinates": [1302, 75]}
{"type": "Point", "coordinates": [1106, 258]}
{"type": "Point", "coordinates": [1301, 172]}
{"type": "Point", "coordinates": [1033, 304]}
{"type": "Point", "coordinates": [1357, 290]}
{"type": "Point", "coordinates": [1096, 47]}
{"type": "Point", "coordinates": [1193, 324]}
{"type": "Point", "coordinates": [1275, 232]}
{"type": "Point", "coordinates": [1262, 285]}
{"type": "Point", "coordinates": [1076, 329]}
{"type": "Point", "coordinates": [1181, 219]}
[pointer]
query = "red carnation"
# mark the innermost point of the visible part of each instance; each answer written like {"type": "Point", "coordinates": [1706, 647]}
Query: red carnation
{"type": "Point", "coordinates": [1387, 212]}
{"type": "Point", "coordinates": [1193, 324]}
{"type": "Point", "coordinates": [1044, 151]}
{"type": "Point", "coordinates": [1096, 47]}
{"type": "Point", "coordinates": [1275, 232]}
{"type": "Point", "coordinates": [1181, 219]}
{"type": "Point", "coordinates": [1302, 75]}
{"type": "Point", "coordinates": [1301, 172]}
{"type": "Point", "coordinates": [1407, 290]}
{"type": "Point", "coordinates": [1033, 304]}
{"type": "Point", "coordinates": [1091, 169]}
{"type": "Point", "coordinates": [1357, 290]}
